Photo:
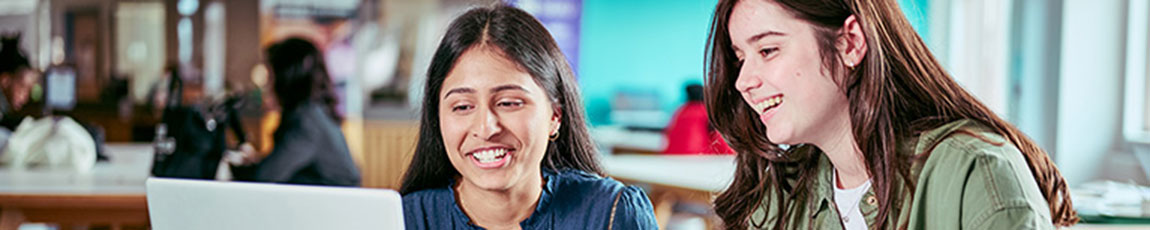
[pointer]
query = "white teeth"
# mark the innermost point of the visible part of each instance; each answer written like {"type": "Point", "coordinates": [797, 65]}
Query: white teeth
{"type": "Point", "coordinates": [491, 155]}
{"type": "Point", "coordinates": [767, 104]}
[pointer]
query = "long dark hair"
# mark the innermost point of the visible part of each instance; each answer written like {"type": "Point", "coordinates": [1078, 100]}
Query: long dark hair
{"type": "Point", "coordinates": [300, 76]}
{"type": "Point", "coordinates": [898, 91]}
{"type": "Point", "coordinates": [12, 60]}
{"type": "Point", "coordinates": [525, 41]}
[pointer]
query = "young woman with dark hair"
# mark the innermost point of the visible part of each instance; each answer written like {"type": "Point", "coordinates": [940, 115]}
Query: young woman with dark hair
{"type": "Point", "coordinates": [309, 144]}
{"type": "Point", "coordinates": [503, 142]}
{"type": "Point", "coordinates": [842, 118]}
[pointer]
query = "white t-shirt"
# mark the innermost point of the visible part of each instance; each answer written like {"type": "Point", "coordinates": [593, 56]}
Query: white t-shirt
{"type": "Point", "coordinates": [848, 201]}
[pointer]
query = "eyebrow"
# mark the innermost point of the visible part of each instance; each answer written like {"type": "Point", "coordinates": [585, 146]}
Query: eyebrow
{"type": "Point", "coordinates": [493, 90]}
{"type": "Point", "coordinates": [507, 87]}
{"type": "Point", "coordinates": [763, 35]}
{"type": "Point", "coordinates": [459, 90]}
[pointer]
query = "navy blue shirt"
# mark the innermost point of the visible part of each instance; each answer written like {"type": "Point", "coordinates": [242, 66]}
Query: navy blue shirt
{"type": "Point", "coordinates": [571, 199]}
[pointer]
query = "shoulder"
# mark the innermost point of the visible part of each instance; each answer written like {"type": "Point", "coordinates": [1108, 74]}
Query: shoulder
{"type": "Point", "coordinates": [420, 207]}
{"type": "Point", "coordinates": [633, 210]}
{"type": "Point", "coordinates": [976, 147]}
{"type": "Point", "coordinates": [967, 141]}
{"type": "Point", "coordinates": [580, 180]}
{"type": "Point", "coordinates": [594, 198]}
{"type": "Point", "coordinates": [308, 123]}
{"type": "Point", "coordinates": [993, 175]}
{"type": "Point", "coordinates": [427, 197]}
{"type": "Point", "coordinates": [579, 187]}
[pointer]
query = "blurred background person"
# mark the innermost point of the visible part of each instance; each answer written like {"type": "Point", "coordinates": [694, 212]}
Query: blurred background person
{"type": "Point", "coordinates": [17, 78]}
{"type": "Point", "coordinates": [689, 131]}
{"type": "Point", "coordinates": [309, 146]}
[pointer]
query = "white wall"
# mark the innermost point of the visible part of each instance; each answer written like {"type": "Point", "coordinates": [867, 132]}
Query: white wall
{"type": "Point", "coordinates": [1036, 44]}
{"type": "Point", "coordinates": [978, 52]}
{"type": "Point", "coordinates": [1090, 89]}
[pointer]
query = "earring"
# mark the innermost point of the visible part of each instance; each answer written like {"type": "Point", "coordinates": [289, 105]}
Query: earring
{"type": "Point", "coordinates": [553, 137]}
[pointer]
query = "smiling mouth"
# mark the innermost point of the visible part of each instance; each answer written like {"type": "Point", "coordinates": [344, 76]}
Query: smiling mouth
{"type": "Point", "coordinates": [490, 157]}
{"type": "Point", "coordinates": [768, 104]}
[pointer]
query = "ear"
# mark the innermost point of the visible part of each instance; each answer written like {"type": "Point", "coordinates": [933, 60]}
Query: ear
{"type": "Point", "coordinates": [852, 45]}
{"type": "Point", "coordinates": [556, 120]}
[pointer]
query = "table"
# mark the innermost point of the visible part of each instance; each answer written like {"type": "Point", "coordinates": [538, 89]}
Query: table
{"type": "Point", "coordinates": [704, 173]}
{"type": "Point", "coordinates": [675, 178]}
{"type": "Point", "coordinates": [112, 193]}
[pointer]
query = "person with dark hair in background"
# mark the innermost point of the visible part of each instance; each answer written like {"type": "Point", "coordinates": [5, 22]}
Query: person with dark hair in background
{"type": "Point", "coordinates": [503, 142]}
{"type": "Point", "coordinates": [17, 77]}
{"type": "Point", "coordinates": [309, 145]}
{"type": "Point", "coordinates": [689, 132]}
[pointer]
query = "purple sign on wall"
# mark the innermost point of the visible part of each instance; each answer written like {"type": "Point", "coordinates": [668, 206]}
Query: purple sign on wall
{"type": "Point", "coordinates": [563, 19]}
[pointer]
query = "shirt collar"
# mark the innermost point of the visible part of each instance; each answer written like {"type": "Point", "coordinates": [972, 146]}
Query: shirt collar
{"type": "Point", "coordinates": [549, 185]}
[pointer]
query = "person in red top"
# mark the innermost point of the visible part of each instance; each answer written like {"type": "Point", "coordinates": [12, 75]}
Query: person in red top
{"type": "Point", "coordinates": [689, 132]}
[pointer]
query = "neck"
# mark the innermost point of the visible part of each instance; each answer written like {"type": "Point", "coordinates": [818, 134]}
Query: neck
{"type": "Point", "coordinates": [842, 149]}
{"type": "Point", "coordinates": [499, 209]}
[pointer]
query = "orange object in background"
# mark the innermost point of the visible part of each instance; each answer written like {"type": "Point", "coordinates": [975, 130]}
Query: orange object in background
{"type": "Point", "coordinates": [689, 132]}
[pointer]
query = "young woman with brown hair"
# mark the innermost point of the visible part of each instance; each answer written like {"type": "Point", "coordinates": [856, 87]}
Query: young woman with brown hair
{"type": "Point", "coordinates": [842, 118]}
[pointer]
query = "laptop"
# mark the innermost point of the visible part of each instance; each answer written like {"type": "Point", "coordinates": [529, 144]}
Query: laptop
{"type": "Point", "coordinates": [179, 204]}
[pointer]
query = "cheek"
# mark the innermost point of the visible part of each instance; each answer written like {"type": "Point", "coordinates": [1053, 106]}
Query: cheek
{"type": "Point", "coordinates": [817, 91]}
{"type": "Point", "coordinates": [782, 73]}
{"type": "Point", "coordinates": [531, 127]}
{"type": "Point", "coordinates": [527, 125]}
{"type": "Point", "coordinates": [453, 130]}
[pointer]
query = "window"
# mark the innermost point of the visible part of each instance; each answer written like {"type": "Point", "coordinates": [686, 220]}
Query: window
{"type": "Point", "coordinates": [1136, 120]}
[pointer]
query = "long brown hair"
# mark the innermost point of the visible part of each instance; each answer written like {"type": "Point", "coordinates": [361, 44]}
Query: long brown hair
{"type": "Point", "coordinates": [898, 91]}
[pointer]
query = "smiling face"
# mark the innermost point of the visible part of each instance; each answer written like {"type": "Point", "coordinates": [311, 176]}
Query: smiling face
{"type": "Point", "coordinates": [495, 120]}
{"type": "Point", "coordinates": [782, 76]}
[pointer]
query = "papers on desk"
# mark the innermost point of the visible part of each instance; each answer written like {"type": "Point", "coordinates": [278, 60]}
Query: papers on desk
{"type": "Point", "coordinates": [1112, 199]}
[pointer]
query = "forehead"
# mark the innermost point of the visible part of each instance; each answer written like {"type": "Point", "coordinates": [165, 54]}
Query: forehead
{"type": "Point", "coordinates": [751, 17]}
{"type": "Point", "coordinates": [482, 67]}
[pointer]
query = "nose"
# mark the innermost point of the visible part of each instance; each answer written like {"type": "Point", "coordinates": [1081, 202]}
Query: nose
{"type": "Point", "coordinates": [747, 79]}
{"type": "Point", "coordinates": [488, 125]}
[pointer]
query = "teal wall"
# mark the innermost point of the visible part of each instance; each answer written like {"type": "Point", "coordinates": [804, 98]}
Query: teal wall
{"type": "Point", "coordinates": [654, 46]}
{"type": "Point", "coordinates": [916, 12]}
{"type": "Point", "coordinates": [641, 45]}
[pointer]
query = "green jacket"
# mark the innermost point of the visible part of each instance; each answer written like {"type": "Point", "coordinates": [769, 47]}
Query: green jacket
{"type": "Point", "coordinates": [967, 182]}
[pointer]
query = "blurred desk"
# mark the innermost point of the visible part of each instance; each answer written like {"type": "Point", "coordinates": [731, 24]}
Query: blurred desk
{"type": "Point", "coordinates": [702, 173]}
{"type": "Point", "coordinates": [112, 193]}
{"type": "Point", "coordinates": [674, 178]}
{"type": "Point", "coordinates": [618, 139]}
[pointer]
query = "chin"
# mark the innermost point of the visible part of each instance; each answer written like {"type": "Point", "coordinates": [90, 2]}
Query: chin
{"type": "Point", "coordinates": [490, 181]}
{"type": "Point", "coordinates": [780, 136]}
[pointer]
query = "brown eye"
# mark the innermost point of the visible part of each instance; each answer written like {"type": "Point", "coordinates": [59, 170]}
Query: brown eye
{"type": "Point", "coordinates": [462, 108]}
{"type": "Point", "coordinates": [509, 104]}
{"type": "Point", "coordinates": [767, 51]}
